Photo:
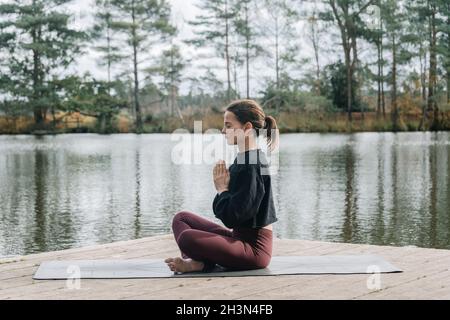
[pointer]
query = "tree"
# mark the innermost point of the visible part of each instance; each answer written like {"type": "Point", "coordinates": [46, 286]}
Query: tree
{"type": "Point", "coordinates": [92, 97]}
{"type": "Point", "coordinates": [443, 45]}
{"type": "Point", "coordinates": [247, 30]}
{"type": "Point", "coordinates": [279, 28]}
{"type": "Point", "coordinates": [142, 22]}
{"type": "Point", "coordinates": [315, 37]}
{"type": "Point", "coordinates": [398, 42]}
{"type": "Point", "coordinates": [103, 34]}
{"type": "Point", "coordinates": [375, 34]}
{"type": "Point", "coordinates": [169, 67]}
{"type": "Point", "coordinates": [237, 60]}
{"type": "Point", "coordinates": [418, 26]}
{"type": "Point", "coordinates": [347, 15]}
{"type": "Point", "coordinates": [7, 42]}
{"type": "Point", "coordinates": [39, 42]}
{"type": "Point", "coordinates": [335, 87]}
{"type": "Point", "coordinates": [214, 27]}
{"type": "Point", "coordinates": [431, 14]}
{"type": "Point", "coordinates": [431, 11]}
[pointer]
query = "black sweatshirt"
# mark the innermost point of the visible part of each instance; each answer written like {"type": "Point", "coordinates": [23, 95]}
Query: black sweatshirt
{"type": "Point", "coordinates": [248, 202]}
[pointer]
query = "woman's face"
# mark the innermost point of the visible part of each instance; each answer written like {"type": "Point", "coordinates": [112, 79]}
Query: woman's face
{"type": "Point", "coordinates": [233, 129]}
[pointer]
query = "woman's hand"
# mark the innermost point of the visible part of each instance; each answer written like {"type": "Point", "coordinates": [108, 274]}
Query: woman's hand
{"type": "Point", "coordinates": [221, 176]}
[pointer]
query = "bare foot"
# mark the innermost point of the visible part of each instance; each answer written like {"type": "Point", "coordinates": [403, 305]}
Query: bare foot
{"type": "Point", "coordinates": [184, 265]}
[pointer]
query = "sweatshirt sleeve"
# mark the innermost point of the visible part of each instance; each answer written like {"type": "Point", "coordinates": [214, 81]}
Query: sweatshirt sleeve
{"type": "Point", "coordinates": [241, 204]}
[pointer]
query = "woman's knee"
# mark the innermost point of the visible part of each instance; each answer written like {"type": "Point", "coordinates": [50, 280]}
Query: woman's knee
{"type": "Point", "coordinates": [263, 262]}
{"type": "Point", "coordinates": [180, 216]}
{"type": "Point", "coordinates": [187, 239]}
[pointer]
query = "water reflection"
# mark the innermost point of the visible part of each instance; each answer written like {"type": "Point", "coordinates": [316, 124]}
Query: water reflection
{"type": "Point", "coordinates": [66, 191]}
{"type": "Point", "coordinates": [137, 210]}
{"type": "Point", "coordinates": [350, 223]}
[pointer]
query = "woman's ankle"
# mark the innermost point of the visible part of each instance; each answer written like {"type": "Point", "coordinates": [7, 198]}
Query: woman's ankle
{"type": "Point", "coordinates": [197, 265]}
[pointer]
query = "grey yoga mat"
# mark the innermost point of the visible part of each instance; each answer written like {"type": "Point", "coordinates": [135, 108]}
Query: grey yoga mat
{"type": "Point", "coordinates": [157, 268]}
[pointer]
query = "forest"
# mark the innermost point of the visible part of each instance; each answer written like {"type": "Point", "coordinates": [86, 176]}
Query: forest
{"type": "Point", "coordinates": [316, 66]}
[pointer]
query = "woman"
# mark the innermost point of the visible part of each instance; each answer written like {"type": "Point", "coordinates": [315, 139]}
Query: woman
{"type": "Point", "coordinates": [243, 202]}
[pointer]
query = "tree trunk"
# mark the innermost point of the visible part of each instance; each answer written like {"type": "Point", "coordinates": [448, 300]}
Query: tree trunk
{"type": "Point", "coordinates": [423, 84]}
{"type": "Point", "coordinates": [235, 77]}
{"type": "Point", "coordinates": [102, 122]}
{"type": "Point", "coordinates": [247, 48]}
{"type": "Point", "coordinates": [227, 54]}
{"type": "Point", "coordinates": [137, 107]}
{"type": "Point", "coordinates": [423, 77]}
{"type": "Point", "coordinates": [39, 116]}
{"type": "Point", "coordinates": [379, 80]}
{"type": "Point", "coordinates": [277, 67]}
{"type": "Point", "coordinates": [108, 39]}
{"type": "Point", "coordinates": [394, 108]}
{"type": "Point", "coordinates": [379, 43]}
{"type": "Point", "coordinates": [448, 86]}
{"type": "Point", "coordinates": [172, 84]}
{"type": "Point", "coordinates": [315, 44]}
{"type": "Point", "coordinates": [432, 103]}
{"type": "Point", "coordinates": [349, 83]}
{"type": "Point", "coordinates": [345, 35]}
{"type": "Point", "coordinates": [448, 53]}
{"type": "Point", "coordinates": [277, 59]}
{"type": "Point", "coordinates": [355, 72]}
{"type": "Point", "coordinates": [383, 99]}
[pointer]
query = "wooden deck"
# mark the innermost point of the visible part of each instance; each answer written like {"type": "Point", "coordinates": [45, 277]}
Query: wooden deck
{"type": "Point", "coordinates": [426, 275]}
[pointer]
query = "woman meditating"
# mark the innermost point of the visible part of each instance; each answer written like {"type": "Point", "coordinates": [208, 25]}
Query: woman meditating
{"type": "Point", "coordinates": [243, 202]}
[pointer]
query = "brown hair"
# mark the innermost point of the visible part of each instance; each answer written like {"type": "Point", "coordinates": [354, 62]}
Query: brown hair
{"type": "Point", "coordinates": [247, 110]}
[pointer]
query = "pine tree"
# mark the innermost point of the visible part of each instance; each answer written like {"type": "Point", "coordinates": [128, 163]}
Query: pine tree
{"type": "Point", "coordinates": [103, 34]}
{"type": "Point", "coordinates": [429, 13]}
{"type": "Point", "coordinates": [246, 29]}
{"type": "Point", "coordinates": [214, 27]}
{"type": "Point", "coordinates": [400, 42]}
{"type": "Point", "coordinates": [443, 45]}
{"type": "Point", "coordinates": [347, 15]}
{"type": "Point", "coordinates": [169, 68]}
{"type": "Point", "coordinates": [38, 42]}
{"type": "Point", "coordinates": [279, 28]}
{"type": "Point", "coordinates": [314, 37]}
{"type": "Point", "coordinates": [144, 23]}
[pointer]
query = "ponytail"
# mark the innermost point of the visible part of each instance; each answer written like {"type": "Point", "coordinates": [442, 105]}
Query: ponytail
{"type": "Point", "coordinates": [272, 132]}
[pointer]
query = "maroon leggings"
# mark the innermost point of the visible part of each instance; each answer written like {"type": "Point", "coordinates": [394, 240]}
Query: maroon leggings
{"type": "Point", "coordinates": [238, 249]}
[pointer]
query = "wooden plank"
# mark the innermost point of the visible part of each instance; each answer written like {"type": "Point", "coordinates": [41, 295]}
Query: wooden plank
{"type": "Point", "coordinates": [105, 291]}
{"type": "Point", "coordinates": [426, 275]}
{"type": "Point", "coordinates": [311, 247]}
{"type": "Point", "coordinates": [345, 286]}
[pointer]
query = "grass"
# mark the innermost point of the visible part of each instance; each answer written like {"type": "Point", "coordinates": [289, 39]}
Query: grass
{"type": "Point", "coordinates": [287, 122]}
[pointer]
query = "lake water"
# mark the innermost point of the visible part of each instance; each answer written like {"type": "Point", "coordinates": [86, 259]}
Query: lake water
{"type": "Point", "coordinates": [65, 191]}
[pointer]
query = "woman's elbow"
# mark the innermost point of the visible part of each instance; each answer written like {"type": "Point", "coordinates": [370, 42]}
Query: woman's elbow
{"type": "Point", "coordinates": [229, 224]}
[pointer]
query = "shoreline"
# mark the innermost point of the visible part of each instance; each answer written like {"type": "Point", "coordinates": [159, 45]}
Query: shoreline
{"type": "Point", "coordinates": [288, 122]}
{"type": "Point", "coordinates": [163, 132]}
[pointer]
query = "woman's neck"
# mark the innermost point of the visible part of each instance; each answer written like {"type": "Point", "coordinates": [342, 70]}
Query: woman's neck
{"type": "Point", "coordinates": [248, 145]}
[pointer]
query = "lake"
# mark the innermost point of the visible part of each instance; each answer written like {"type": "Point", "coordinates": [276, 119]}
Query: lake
{"type": "Point", "coordinates": [64, 191]}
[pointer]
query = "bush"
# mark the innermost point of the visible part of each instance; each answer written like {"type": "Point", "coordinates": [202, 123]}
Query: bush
{"type": "Point", "coordinates": [335, 87]}
{"type": "Point", "coordinates": [148, 118]}
{"type": "Point", "coordinates": [294, 100]}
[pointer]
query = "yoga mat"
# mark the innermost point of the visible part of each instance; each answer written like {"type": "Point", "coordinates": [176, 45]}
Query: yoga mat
{"type": "Point", "coordinates": [157, 268]}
